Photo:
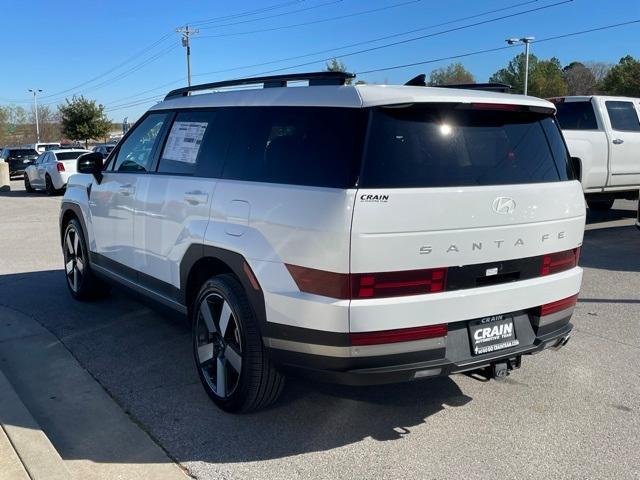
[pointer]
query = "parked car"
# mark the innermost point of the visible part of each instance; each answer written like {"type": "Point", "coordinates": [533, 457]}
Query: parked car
{"type": "Point", "coordinates": [18, 159]}
{"type": "Point", "coordinates": [603, 136]}
{"type": "Point", "coordinates": [104, 149]}
{"type": "Point", "coordinates": [43, 147]}
{"type": "Point", "coordinates": [52, 170]}
{"type": "Point", "coordinates": [359, 234]}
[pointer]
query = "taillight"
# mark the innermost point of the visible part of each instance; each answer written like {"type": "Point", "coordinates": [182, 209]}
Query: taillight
{"type": "Point", "coordinates": [60, 166]}
{"type": "Point", "coordinates": [559, 261]}
{"type": "Point", "coordinates": [368, 285]}
{"type": "Point", "coordinates": [498, 106]}
{"type": "Point", "coordinates": [397, 284]}
{"type": "Point", "coordinates": [557, 306]}
{"type": "Point", "coordinates": [400, 335]}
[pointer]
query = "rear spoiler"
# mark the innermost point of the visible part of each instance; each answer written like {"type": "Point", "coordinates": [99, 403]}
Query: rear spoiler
{"type": "Point", "coordinates": [420, 81]}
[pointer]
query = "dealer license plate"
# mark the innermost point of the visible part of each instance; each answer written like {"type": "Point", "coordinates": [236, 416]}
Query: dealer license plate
{"type": "Point", "coordinates": [491, 334]}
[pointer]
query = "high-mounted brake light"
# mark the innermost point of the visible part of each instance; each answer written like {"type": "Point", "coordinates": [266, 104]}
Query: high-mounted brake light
{"type": "Point", "coordinates": [559, 261]}
{"type": "Point", "coordinates": [400, 335]}
{"type": "Point", "coordinates": [497, 106]}
{"type": "Point", "coordinates": [60, 166]}
{"type": "Point", "coordinates": [558, 305]}
{"type": "Point", "coordinates": [368, 285]}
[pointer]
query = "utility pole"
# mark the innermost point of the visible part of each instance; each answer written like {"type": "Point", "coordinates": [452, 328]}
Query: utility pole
{"type": "Point", "coordinates": [186, 33]}
{"type": "Point", "coordinates": [35, 92]}
{"type": "Point", "coordinates": [523, 41]}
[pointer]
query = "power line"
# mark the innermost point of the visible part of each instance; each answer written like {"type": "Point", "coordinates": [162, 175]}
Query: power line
{"type": "Point", "coordinates": [413, 39]}
{"type": "Point", "coordinates": [477, 52]}
{"type": "Point", "coordinates": [282, 14]}
{"type": "Point", "coordinates": [402, 34]}
{"type": "Point", "coordinates": [249, 12]}
{"type": "Point", "coordinates": [450, 57]}
{"type": "Point", "coordinates": [312, 22]}
{"type": "Point", "coordinates": [367, 42]}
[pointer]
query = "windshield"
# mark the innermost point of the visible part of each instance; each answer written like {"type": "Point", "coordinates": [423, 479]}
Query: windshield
{"type": "Point", "coordinates": [22, 153]}
{"type": "Point", "coordinates": [453, 146]}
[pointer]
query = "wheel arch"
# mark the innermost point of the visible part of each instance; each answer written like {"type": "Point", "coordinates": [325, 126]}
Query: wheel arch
{"type": "Point", "coordinates": [201, 262]}
{"type": "Point", "coordinates": [68, 211]}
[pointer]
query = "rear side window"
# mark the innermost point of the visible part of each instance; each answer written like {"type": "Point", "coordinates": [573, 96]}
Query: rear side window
{"type": "Point", "coordinates": [315, 146]}
{"type": "Point", "coordinates": [576, 116]}
{"type": "Point", "coordinates": [449, 146]}
{"type": "Point", "coordinates": [68, 155]}
{"type": "Point", "coordinates": [197, 144]}
{"type": "Point", "coordinates": [623, 116]}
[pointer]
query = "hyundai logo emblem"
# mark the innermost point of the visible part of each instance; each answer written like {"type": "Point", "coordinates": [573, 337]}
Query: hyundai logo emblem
{"type": "Point", "coordinates": [504, 205]}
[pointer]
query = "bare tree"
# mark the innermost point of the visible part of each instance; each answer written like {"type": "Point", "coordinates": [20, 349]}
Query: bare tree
{"type": "Point", "coordinates": [599, 69]}
{"type": "Point", "coordinates": [49, 121]}
{"type": "Point", "coordinates": [579, 79]}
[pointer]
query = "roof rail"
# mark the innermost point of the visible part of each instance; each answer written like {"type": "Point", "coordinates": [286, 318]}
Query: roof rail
{"type": "Point", "coordinates": [489, 87]}
{"type": "Point", "coordinates": [314, 78]}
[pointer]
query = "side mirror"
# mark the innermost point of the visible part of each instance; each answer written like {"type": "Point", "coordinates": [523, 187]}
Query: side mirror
{"type": "Point", "coordinates": [91, 163]}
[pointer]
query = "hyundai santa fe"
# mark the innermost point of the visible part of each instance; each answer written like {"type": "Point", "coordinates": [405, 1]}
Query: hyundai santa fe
{"type": "Point", "coordinates": [359, 234]}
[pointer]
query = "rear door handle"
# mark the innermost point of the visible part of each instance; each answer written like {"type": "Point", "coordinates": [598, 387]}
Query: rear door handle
{"type": "Point", "coordinates": [126, 190]}
{"type": "Point", "coordinates": [617, 141]}
{"type": "Point", "coordinates": [196, 197]}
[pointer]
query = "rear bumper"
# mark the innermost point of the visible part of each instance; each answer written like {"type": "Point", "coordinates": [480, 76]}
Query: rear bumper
{"type": "Point", "coordinates": [404, 362]}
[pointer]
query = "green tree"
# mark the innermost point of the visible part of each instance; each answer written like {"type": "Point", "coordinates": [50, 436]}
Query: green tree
{"type": "Point", "coordinates": [335, 65]}
{"type": "Point", "coordinates": [623, 78]}
{"type": "Point", "coordinates": [513, 73]}
{"type": "Point", "coordinates": [83, 119]}
{"type": "Point", "coordinates": [454, 73]}
{"type": "Point", "coordinates": [546, 79]}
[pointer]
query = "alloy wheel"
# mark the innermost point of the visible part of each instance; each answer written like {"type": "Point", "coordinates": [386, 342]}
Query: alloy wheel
{"type": "Point", "coordinates": [218, 345]}
{"type": "Point", "coordinates": [74, 259]}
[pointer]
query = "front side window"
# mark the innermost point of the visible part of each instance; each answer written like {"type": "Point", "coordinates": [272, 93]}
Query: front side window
{"type": "Point", "coordinates": [136, 153]}
{"type": "Point", "coordinates": [454, 146]}
{"type": "Point", "coordinates": [576, 116]}
{"type": "Point", "coordinates": [623, 116]}
{"type": "Point", "coordinates": [314, 146]}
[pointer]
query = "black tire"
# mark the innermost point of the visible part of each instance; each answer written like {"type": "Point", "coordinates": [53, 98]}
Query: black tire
{"type": "Point", "coordinates": [51, 191]}
{"type": "Point", "coordinates": [248, 384]}
{"type": "Point", "coordinates": [27, 184]}
{"type": "Point", "coordinates": [80, 279]}
{"type": "Point", "coordinates": [600, 205]}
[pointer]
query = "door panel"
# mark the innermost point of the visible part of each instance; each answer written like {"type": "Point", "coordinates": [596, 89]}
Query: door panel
{"type": "Point", "coordinates": [624, 143]}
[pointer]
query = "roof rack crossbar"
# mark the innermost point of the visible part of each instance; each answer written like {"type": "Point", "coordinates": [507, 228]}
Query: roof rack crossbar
{"type": "Point", "coordinates": [314, 78]}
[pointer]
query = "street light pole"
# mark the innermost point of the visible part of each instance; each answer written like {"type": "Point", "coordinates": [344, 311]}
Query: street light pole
{"type": "Point", "coordinates": [186, 42]}
{"type": "Point", "coordinates": [526, 41]}
{"type": "Point", "coordinates": [35, 92]}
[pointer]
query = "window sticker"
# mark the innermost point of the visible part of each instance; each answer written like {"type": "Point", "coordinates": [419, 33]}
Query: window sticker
{"type": "Point", "coordinates": [184, 141]}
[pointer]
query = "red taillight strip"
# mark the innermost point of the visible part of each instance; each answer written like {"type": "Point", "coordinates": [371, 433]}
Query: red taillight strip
{"type": "Point", "coordinates": [558, 305]}
{"type": "Point", "coordinates": [559, 261]}
{"type": "Point", "coordinates": [60, 166]}
{"type": "Point", "coordinates": [400, 335]}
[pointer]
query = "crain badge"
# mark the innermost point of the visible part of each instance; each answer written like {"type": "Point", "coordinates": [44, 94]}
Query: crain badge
{"type": "Point", "coordinates": [504, 205]}
{"type": "Point", "coordinates": [368, 197]}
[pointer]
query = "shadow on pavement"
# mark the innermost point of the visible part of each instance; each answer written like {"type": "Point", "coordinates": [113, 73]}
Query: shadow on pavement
{"type": "Point", "coordinates": [614, 248]}
{"type": "Point", "coordinates": [144, 360]}
{"type": "Point", "coordinates": [595, 216]}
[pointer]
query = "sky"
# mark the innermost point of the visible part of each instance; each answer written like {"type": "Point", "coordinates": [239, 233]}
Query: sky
{"type": "Point", "coordinates": [126, 54]}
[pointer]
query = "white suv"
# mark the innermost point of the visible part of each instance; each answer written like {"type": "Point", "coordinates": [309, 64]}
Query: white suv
{"type": "Point", "coordinates": [357, 234]}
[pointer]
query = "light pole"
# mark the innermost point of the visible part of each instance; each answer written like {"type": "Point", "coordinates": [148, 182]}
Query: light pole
{"type": "Point", "coordinates": [35, 92]}
{"type": "Point", "coordinates": [186, 42]}
{"type": "Point", "coordinates": [526, 41]}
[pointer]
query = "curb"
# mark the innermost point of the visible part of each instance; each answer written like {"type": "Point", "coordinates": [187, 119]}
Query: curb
{"type": "Point", "coordinates": [31, 446]}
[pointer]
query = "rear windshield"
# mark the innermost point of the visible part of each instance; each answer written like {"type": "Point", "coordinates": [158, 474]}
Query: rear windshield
{"type": "Point", "coordinates": [22, 153]}
{"type": "Point", "coordinates": [68, 155]}
{"type": "Point", "coordinates": [576, 116]}
{"type": "Point", "coordinates": [449, 146]}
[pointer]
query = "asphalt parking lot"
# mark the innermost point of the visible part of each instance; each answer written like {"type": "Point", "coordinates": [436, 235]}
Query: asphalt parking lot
{"type": "Point", "coordinates": [574, 413]}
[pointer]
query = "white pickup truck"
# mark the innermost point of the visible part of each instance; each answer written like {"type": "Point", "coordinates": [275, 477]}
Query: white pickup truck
{"type": "Point", "coordinates": [603, 137]}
